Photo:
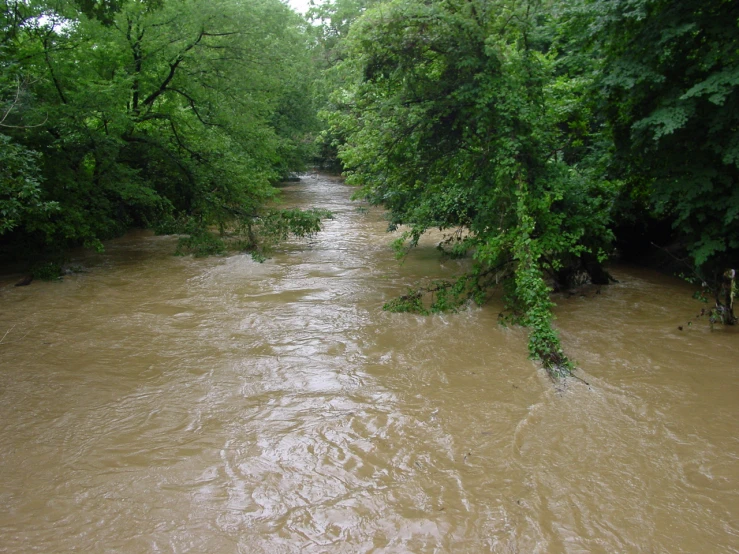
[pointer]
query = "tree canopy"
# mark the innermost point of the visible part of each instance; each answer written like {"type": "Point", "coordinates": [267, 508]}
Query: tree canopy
{"type": "Point", "coordinates": [534, 129]}
{"type": "Point", "coordinates": [136, 113]}
{"type": "Point", "coordinates": [670, 82]}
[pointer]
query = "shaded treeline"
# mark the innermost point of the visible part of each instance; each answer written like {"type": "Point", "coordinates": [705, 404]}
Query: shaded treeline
{"type": "Point", "coordinates": [178, 115]}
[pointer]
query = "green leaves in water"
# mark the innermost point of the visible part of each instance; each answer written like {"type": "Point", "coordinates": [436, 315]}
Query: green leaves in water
{"type": "Point", "coordinates": [257, 235]}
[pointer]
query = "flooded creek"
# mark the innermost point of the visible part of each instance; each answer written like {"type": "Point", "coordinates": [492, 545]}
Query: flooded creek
{"type": "Point", "coordinates": [156, 403]}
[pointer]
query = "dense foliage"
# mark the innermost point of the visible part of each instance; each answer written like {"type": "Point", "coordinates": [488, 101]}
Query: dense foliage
{"type": "Point", "coordinates": [451, 123]}
{"type": "Point", "coordinates": [533, 130]}
{"type": "Point", "coordinates": [147, 112]}
{"type": "Point", "coordinates": [670, 82]}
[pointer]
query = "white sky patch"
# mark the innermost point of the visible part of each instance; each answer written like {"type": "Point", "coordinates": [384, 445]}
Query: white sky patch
{"type": "Point", "coordinates": [300, 6]}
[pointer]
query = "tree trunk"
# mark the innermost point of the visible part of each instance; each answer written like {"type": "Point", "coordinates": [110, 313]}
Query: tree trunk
{"type": "Point", "coordinates": [725, 297]}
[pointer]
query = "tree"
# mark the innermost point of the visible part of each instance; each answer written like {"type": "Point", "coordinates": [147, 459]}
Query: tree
{"type": "Point", "coordinates": [20, 186]}
{"type": "Point", "coordinates": [157, 111]}
{"type": "Point", "coordinates": [331, 22]}
{"type": "Point", "coordinates": [452, 122]}
{"type": "Point", "coordinates": [669, 76]}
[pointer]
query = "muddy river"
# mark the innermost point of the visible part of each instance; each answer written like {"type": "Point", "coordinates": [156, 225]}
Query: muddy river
{"type": "Point", "coordinates": [156, 403]}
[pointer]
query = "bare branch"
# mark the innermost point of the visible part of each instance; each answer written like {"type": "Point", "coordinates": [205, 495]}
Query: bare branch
{"type": "Point", "coordinates": [12, 105]}
{"type": "Point", "coordinates": [2, 340]}
{"type": "Point", "coordinates": [10, 109]}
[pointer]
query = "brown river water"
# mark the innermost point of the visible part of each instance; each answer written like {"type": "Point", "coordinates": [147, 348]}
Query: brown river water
{"type": "Point", "coordinates": [165, 404]}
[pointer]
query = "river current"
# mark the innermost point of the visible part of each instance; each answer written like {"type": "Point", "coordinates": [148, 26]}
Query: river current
{"type": "Point", "coordinates": [155, 403]}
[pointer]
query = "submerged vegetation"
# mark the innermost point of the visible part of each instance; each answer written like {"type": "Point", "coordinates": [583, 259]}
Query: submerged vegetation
{"type": "Point", "coordinates": [547, 136]}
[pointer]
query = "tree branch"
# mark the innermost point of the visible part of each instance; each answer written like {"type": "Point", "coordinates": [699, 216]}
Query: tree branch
{"type": "Point", "coordinates": [173, 69]}
{"type": "Point", "coordinates": [191, 101]}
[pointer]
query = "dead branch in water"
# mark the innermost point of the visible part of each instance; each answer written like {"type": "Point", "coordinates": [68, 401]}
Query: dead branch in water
{"type": "Point", "coordinates": [2, 340]}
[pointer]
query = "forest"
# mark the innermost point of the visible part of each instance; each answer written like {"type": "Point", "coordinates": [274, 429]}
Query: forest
{"type": "Point", "coordinates": [545, 137]}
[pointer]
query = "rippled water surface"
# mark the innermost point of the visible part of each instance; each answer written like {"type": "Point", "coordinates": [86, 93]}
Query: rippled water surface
{"type": "Point", "coordinates": [165, 404]}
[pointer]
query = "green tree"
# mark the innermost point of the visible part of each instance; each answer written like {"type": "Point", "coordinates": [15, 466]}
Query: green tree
{"type": "Point", "coordinates": [452, 121]}
{"type": "Point", "coordinates": [669, 78]}
{"type": "Point", "coordinates": [157, 111]}
{"type": "Point", "coordinates": [331, 22]}
{"type": "Point", "coordinates": [20, 186]}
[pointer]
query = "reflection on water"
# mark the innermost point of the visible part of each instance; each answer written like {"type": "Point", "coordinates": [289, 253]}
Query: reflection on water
{"type": "Point", "coordinates": [165, 404]}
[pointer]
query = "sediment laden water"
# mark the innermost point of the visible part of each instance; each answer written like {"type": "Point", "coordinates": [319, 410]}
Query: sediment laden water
{"type": "Point", "coordinates": [163, 404]}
